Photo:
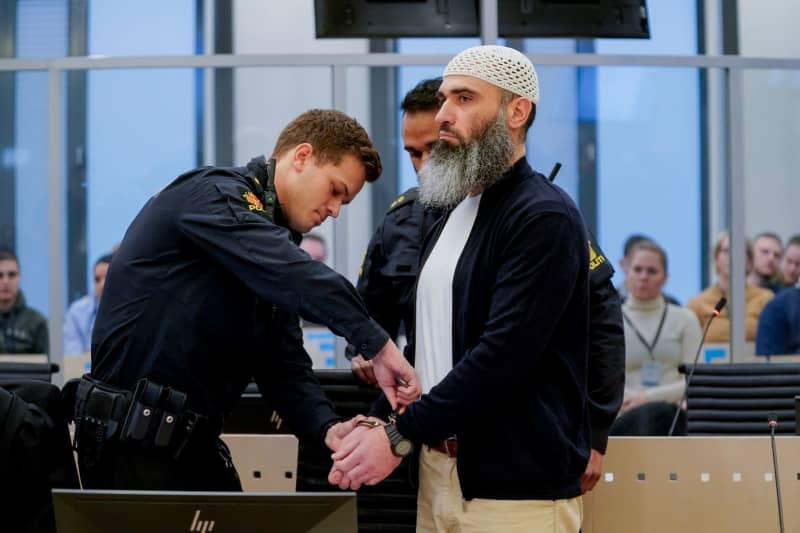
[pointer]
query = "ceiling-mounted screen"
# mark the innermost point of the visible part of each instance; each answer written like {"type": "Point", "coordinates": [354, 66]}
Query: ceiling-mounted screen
{"type": "Point", "coordinates": [396, 18]}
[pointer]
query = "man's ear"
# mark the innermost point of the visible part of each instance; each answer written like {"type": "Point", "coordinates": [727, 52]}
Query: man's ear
{"type": "Point", "coordinates": [301, 155]}
{"type": "Point", "coordinates": [518, 111]}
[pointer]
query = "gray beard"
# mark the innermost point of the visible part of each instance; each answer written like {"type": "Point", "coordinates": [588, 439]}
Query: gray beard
{"type": "Point", "coordinates": [453, 171]}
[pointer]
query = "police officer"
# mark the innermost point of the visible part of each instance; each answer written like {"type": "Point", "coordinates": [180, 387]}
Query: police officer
{"type": "Point", "coordinates": [203, 296]}
{"type": "Point", "coordinates": [391, 263]}
{"type": "Point", "coordinates": [388, 276]}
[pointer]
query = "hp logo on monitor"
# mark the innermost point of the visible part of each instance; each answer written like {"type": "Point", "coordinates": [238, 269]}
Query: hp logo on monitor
{"type": "Point", "coordinates": [201, 526]}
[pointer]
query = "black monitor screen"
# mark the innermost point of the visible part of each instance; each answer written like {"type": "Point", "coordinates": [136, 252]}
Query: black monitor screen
{"type": "Point", "coordinates": [573, 18]}
{"type": "Point", "coordinates": [396, 18]}
{"type": "Point", "coordinates": [201, 512]}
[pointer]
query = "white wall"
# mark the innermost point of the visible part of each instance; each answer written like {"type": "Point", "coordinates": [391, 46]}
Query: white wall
{"type": "Point", "coordinates": [266, 99]}
{"type": "Point", "coordinates": [771, 111]}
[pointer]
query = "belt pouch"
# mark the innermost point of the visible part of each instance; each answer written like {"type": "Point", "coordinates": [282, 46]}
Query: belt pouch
{"type": "Point", "coordinates": [143, 414]}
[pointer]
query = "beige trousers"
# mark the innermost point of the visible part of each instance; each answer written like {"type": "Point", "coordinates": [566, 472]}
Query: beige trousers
{"type": "Point", "coordinates": [442, 509]}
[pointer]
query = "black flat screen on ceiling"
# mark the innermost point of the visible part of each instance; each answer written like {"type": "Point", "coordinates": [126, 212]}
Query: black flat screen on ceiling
{"type": "Point", "coordinates": [396, 18]}
{"type": "Point", "coordinates": [573, 18]}
{"type": "Point", "coordinates": [460, 18]}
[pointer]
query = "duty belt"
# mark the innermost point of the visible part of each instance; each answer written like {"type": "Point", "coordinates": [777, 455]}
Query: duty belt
{"type": "Point", "coordinates": [152, 417]}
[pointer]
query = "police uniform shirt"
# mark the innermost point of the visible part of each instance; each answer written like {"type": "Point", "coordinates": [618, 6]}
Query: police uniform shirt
{"type": "Point", "coordinates": [391, 263]}
{"type": "Point", "coordinates": [204, 294]}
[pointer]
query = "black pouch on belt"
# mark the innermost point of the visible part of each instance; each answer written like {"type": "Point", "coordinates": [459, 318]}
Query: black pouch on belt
{"type": "Point", "coordinates": [144, 414]}
{"type": "Point", "coordinates": [173, 403]}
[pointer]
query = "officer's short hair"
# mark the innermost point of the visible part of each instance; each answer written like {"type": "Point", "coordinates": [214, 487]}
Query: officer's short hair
{"type": "Point", "coordinates": [423, 97]}
{"type": "Point", "coordinates": [333, 135]}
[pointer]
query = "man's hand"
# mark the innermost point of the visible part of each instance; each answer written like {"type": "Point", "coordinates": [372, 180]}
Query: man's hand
{"type": "Point", "coordinates": [395, 376]}
{"type": "Point", "coordinates": [364, 458]}
{"type": "Point", "coordinates": [363, 370]}
{"type": "Point", "coordinates": [337, 432]}
{"type": "Point", "coordinates": [593, 471]}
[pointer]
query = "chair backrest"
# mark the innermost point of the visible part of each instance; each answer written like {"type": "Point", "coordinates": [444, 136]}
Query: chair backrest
{"type": "Point", "coordinates": [24, 371]}
{"type": "Point", "coordinates": [738, 398]}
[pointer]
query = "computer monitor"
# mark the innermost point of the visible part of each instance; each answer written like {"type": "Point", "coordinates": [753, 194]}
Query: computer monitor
{"type": "Point", "coordinates": [201, 512]}
{"type": "Point", "coordinates": [460, 18]}
{"type": "Point", "coordinates": [396, 18]}
{"type": "Point", "coordinates": [573, 18]}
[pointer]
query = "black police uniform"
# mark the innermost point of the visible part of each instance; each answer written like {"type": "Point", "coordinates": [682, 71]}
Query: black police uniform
{"type": "Point", "coordinates": [606, 375]}
{"type": "Point", "coordinates": [389, 271]}
{"type": "Point", "coordinates": [387, 281]}
{"type": "Point", "coordinates": [203, 296]}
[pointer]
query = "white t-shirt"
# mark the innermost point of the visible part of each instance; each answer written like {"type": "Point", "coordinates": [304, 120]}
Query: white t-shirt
{"type": "Point", "coordinates": [434, 298]}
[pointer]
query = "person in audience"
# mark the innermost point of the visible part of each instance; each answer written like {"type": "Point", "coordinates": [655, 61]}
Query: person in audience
{"type": "Point", "coordinates": [388, 273]}
{"type": "Point", "coordinates": [79, 321]}
{"type": "Point", "coordinates": [767, 253]}
{"type": "Point", "coordinates": [627, 249]}
{"type": "Point", "coordinates": [703, 304]}
{"type": "Point", "coordinates": [659, 336]}
{"type": "Point", "coordinates": [314, 245]}
{"type": "Point", "coordinates": [779, 324]}
{"type": "Point", "coordinates": [790, 270]}
{"type": "Point", "coordinates": [22, 328]}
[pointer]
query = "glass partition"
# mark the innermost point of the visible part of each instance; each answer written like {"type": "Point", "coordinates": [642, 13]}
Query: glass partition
{"type": "Point", "coordinates": [770, 158]}
{"type": "Point", "coordinates": [26, 167]}
{"type": "Point", "coordinates": [649, 166]}
{"type": "Point", "coordinates": [651, 163]}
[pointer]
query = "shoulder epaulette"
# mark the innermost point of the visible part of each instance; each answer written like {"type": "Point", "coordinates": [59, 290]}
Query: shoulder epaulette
{"type": "Point", "coordinates": [406, 198]}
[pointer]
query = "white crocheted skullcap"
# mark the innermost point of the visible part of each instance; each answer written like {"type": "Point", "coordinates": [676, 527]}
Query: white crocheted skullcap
{"type": "Point", "coordinates": [499, 65]}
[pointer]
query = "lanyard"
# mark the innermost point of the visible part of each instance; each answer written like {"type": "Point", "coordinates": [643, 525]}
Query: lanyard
{"type": "Point", "coordinates": [650, 346]}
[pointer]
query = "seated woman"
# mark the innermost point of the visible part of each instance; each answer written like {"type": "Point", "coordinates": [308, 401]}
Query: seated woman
{"type": "Point", "coordinates": [703, 304]}
{"type": "Point", "coordinates": [659, 336]}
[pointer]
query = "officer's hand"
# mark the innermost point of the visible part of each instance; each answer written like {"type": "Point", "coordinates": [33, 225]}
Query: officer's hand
{"type": "Point", "coordinates": [337, 432]}
{"type": "Point", "coordinates": [363, 370]}
{"type": "Point", "coordinates": [395, 376]}
{"type": "Point", "coordinates": [593, 471]}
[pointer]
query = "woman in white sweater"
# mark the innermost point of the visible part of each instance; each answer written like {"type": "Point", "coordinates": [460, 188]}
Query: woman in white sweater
{"type": "Point", "coordinates": [658, 336]}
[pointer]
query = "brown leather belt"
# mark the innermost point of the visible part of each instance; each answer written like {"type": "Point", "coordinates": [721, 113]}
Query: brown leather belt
{"type": "Point", "coordinates": [449, 447]}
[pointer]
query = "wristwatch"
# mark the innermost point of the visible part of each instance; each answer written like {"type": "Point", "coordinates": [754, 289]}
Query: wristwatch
{"type": "Point", "coordinates": [401, 446]}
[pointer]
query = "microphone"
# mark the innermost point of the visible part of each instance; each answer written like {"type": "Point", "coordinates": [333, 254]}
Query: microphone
{"type": "Point", "coordinates": [715, 313]}
{"type": "Point", "coordinates": [556, 168]}
{"type": "Point", "coordinates": [772, 421]}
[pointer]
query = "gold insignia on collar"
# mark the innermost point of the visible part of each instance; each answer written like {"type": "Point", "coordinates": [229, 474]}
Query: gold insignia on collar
{"type": "Point", "coordinates": [397, 201]}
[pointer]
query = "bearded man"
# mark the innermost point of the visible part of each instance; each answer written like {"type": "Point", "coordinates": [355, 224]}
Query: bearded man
{"type": "Point", "coordinates": [500, 343]}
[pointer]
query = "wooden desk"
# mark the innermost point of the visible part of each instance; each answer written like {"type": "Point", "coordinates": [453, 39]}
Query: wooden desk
{"type": "Point", "coordinates": [694, 484]}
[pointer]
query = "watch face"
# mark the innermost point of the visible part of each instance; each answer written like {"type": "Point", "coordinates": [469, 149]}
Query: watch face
{"type": "Point", "coordinates": [403, 448]}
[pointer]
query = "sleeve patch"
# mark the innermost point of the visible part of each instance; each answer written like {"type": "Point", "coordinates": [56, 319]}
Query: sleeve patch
{"type": "Point", "coordinates": [595, 259]}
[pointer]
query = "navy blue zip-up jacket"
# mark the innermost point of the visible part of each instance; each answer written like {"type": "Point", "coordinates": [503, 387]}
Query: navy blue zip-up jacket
{"type": "Point", "coordinates": [516, 397]}
{"type": "Point", "coordinates": [203, 295]}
